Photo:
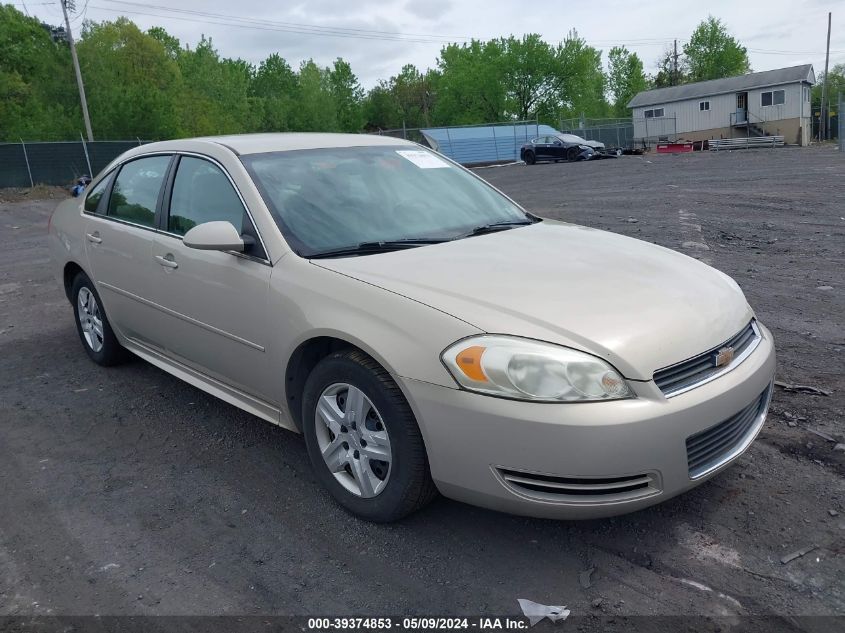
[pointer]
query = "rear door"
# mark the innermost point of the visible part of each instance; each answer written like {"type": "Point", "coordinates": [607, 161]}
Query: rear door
{"type": "Point", "coordinates": [120, 223]}
{"type": "Point", "coordinates": [214, 303]}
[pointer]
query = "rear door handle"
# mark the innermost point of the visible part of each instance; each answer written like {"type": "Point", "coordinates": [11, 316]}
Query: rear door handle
{"type": "Point", "coordinates": [94, 237]}
{"type": "Point", "coordinates": [167, 261]}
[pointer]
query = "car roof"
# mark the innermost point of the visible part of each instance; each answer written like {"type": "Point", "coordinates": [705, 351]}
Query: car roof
{"type": "Point", "coordinates": [282, 142]}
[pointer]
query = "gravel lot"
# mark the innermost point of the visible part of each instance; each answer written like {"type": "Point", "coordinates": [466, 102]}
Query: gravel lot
{"type": "Point", "coordinates": [127, 492]}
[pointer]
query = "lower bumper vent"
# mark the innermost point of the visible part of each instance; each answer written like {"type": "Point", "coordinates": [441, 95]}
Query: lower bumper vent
{"type": "Point", "coordinates": [579, 489]}
{"type": "Point", "coordinates": [709, 449]}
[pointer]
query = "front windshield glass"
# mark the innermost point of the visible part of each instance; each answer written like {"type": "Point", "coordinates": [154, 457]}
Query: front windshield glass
{"type": "Point", "coordinates": [571, 138]}
{"type": "Point", "coordinates": [330, 199]}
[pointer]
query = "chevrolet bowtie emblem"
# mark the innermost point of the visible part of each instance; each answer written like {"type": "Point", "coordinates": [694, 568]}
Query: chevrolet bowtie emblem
{"type": "Point", "coordinates": [724, 356]}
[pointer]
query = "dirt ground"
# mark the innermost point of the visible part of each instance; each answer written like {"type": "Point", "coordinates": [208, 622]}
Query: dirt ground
{"type": "Point", "coordinates": [126, 492]}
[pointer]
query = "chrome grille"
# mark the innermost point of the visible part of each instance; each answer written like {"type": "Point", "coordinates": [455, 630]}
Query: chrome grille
{"type": "Point", "coordinates": [579, 489]}
{"type": "Point", "coordinates": [709, 449]}
{"type": "Point", "coordinates": [699, 369]}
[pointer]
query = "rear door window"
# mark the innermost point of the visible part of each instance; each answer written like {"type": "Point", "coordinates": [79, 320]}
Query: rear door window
{"type": "Point", "coordinates": [134, 196]}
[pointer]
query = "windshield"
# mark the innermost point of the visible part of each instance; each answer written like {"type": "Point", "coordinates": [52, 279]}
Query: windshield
{"type": "Point", "coordinates": [330, 199]}
{"type": "Point", "coordinates": [571, 138]}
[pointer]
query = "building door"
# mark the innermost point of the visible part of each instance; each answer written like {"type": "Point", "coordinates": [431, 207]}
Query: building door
{"type": "Point", "coordinates": [741, 107]}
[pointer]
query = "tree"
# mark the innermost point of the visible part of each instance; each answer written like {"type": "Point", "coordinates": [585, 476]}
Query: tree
{"type": "Point", "coordinates": [38, 97]}
{"type": "Point", "coordinates": [215, 98]}
{"type": "Point", "coordinates": [667, 73]}
{"type": "Point", "coordinates": [347, 95]}
{"type": "Point", "coordinates": [381, 110]}
{"type": "Point", "coordinates": [132, 85]}
{"type": "Point", "coordinates": [712, 53]}
{"type": "Point", "coordinates": [625, 78]}
{"type": "Point", "coordinates": [470, 89]}
{"type": "Point", "coordinates": [274, 88]}
{"type": "Point", "coordinates": [315, 109]}
{"type": "Point", "coordinates": [171, 44]}
{"type": "Point", "coordinates": [836, 86]}
{"type": "Point", "coordinates": [531, 74]}
{"type": "Point", "coordinates": [583, 88]}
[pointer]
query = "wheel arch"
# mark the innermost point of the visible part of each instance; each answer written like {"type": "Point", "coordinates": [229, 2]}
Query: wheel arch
{"type": "Point", "coordinates": [70, 271]}
{"type": "Point", "coordinates": [305, 357]}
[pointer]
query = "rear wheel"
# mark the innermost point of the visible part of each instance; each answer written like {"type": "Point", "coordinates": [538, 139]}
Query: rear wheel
{"type": "Point", "coordinates": [93, 326]}
{"type": "Point", "coordinates": [362, 438]}
{"type": "Point", "coordinates": [530, 158]}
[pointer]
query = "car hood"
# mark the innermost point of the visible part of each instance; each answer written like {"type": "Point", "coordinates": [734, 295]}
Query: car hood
{"type": "Point", "coordinates": [640, 306]}
{"type": "Point", "coordinates": [594, 144]}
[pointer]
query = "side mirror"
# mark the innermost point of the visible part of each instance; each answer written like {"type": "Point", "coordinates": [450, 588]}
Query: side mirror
{"type": "Point", "coordinates": [214, 236]}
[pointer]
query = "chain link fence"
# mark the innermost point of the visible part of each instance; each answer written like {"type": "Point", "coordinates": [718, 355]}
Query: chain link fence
{"type": "Point", "coordinates": [627, 133]}
{"type": "Point", "coordinates": [27, 164]}
{"type": "Point", "coordinates": [476, 144]}
{"type": "Point", "coordinates": [611, 132]}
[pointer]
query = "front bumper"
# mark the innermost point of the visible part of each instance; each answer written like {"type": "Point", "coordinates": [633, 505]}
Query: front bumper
{"type": "Point", "coordinates": [483, 449]}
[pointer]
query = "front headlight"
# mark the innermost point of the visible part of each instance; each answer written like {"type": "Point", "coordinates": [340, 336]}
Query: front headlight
{"type": "Point", "coordinates": [530, 370]}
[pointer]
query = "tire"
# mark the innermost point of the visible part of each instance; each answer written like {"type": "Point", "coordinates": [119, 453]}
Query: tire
{"type": "Point", "coordinates": [406, 486]}
{"type": "Point", "coordinates": [572, 154]}
{"type": "Point", "coordinates": [530, 158]}
{"type": "Point", "coordinates": [99, 342]}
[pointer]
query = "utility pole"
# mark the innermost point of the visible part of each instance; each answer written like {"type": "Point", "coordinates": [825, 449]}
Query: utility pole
{"type": "Point", "coordinates": [824, 112]}
{"type": "Point", "coordinates": [82, 99]}
{"type": "Point", "coordinates": [675, 65]}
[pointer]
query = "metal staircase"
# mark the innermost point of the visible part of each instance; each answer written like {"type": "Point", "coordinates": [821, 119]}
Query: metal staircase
{"type": "Point", "coordinates": [751, 123]}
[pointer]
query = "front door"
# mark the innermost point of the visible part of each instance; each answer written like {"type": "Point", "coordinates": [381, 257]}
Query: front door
{"type": "Point", "coordinates": [741, 107]}
{"type": "Point", "coordinates": [214, 303]}
{"type": "Point", "coordinates": [119, 233]}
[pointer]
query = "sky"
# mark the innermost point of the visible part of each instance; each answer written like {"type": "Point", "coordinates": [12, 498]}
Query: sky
{"type": "Point", "coordinates": [378, 37]}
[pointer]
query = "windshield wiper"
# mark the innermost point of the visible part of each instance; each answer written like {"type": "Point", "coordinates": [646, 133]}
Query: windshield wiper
{"type": "Point", "coordinates": [498, 226]}
{"type": "Point", "coordinates": [385, 246]}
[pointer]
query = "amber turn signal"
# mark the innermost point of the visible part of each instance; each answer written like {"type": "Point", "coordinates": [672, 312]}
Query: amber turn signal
{"type": "Point", "coordinates": [469, 362]}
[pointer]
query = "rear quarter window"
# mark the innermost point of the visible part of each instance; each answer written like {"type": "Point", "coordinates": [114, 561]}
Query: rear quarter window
{"type": "Point", "coordinates": [92, 200]}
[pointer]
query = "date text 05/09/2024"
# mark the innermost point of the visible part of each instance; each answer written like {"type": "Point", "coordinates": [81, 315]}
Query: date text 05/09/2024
{"type": "Point", "coordinates": [423, 623]}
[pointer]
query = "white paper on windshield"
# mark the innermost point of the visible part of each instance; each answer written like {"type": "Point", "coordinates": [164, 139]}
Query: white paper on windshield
{"type": "Point", "coordinates": [422, 159]}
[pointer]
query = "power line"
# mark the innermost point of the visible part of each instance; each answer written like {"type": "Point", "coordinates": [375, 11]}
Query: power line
{"type": "Point", "coordinates": [311, 28]}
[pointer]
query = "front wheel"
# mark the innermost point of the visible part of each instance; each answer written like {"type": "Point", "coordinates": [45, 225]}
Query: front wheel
{"type": "Point", "coordinates": [362, 439]}
{"type": "Point", "coordinates": [572, 154]}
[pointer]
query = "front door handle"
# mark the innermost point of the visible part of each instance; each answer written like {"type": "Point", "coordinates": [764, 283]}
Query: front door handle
{"type": "Point", "coordinates": [94, 237]}
{"type": "Point", "coordinates": [167, 261]}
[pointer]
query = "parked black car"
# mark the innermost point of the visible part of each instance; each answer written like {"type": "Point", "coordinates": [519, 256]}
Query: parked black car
{"type": "Point", "coordinates": [560, 147]}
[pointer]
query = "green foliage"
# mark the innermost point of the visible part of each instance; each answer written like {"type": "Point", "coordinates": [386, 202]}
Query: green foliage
{"type": "Point", "coordinates": [151, 85]}
{"type": "Point", "coordinates": [131, 83]}
{"type": "Point", "coordinates": [470, 88]}
{"type": "Point", "coordinates": [625, 78]}
{"type": "Point", "coordinates": [836, 75]}
{"type": "Point", "coordinates": [667, 73]}
{"type": "Point", "coordinates": [712, 53]}
{"type": "Point", "coordinates": [315, 111]}
{"type": "Point", "coordinates": [347, 95]}
{"type": "Point", "coordinates": [274, 89]}
{"type": "Point", "coordinates": [34, 104]}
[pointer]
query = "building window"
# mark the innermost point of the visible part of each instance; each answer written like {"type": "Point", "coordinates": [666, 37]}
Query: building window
{"type": "Point", "coordinates": [773, 97]}
{"type": "Point", "coordinates": [703, 106]}
{"type": "Point", "coordinates": [806, 94]}
{"type": "Point", "coordinates": [654, 113]}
